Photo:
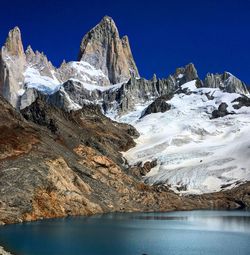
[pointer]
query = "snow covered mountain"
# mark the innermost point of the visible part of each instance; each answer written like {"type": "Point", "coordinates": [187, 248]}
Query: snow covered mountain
{"type": "Point", "coordinates": [198, 148]}
{"type": "Point", "coordinates": [195, 130]}
{"type": "Point", "coordinates": [99, 65]}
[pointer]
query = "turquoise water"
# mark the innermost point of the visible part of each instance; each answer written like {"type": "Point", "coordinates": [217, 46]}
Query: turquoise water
{"type": "Point", "coordinates": [195, 232]}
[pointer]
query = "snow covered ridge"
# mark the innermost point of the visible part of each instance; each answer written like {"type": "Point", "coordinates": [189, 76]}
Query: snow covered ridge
{"type": "Point", "coordinates": [85, 77]}
{"type": "Point", "coordinates": [195, 153]}
{"type": "Point", "coordinates": [45, 84]}
{"type": "Point", "coordinates": [80, 71]}
{"type": "Point", "coordinates": [48, 85]}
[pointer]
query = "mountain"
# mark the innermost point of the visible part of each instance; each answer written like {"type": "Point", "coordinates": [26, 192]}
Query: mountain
{"type": "Point", "coordinates": [92, 136]}
{"type": "Point", "coordinates": [103, 48]}
{"type": "Point", "coordinates": [105, 73]}
{"type": "Point", "coordinates": [197, 136]}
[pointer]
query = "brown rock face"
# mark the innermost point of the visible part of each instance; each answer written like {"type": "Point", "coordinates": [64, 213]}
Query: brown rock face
{"type": "Point", "coordinates": [103, 48]}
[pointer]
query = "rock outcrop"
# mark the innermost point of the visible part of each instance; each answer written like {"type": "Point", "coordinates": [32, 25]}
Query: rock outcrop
{"type": "Point", "coordinates": [226, 82]}
{"type": "Point", "coordinates": [221, 112]}
{"type": "Point", "coordinates": [103, 48]}
{"type": "Point", "coordinates": [186, 74]}
{"type": "Point", "coordinates": [241, 102]}
{"type": "Point", "coordinates": [159, 105]}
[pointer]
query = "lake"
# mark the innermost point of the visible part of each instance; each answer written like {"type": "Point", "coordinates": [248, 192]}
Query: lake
{"type": "Point", "coordinates": [177, 233]}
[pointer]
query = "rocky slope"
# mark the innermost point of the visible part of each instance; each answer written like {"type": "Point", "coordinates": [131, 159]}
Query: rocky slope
{"type": "Point", "coordinates": [55, 164]}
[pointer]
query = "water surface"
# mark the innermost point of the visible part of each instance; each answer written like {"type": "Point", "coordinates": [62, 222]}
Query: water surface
{"type": "Point", "coordinates": [177, 233]}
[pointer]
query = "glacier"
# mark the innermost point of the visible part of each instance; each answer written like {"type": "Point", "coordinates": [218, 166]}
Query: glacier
{"type": "Point", "coordinates": [195, 153]}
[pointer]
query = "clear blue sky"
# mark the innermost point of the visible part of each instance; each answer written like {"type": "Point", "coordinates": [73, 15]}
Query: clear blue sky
{"type": "Point", "coordinates": [213, 34]}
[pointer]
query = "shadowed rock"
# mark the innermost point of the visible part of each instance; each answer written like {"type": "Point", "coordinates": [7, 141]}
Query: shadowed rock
{"type": "Point", "coordinates": [221, 112]}
{"type": "Point", "coordinates": [241, 101]}
{"type": "Point", "coordinates": [159, 105]}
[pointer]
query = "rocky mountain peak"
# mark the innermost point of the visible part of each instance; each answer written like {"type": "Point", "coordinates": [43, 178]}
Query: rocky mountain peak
{"type": "Point", "coordinates": [186, 74]}
{"type": "Point", "coordinates": [109, 25]}
{"type": "Point", "coordinates": [226, 82]}
{"type": "Point", "coordinates": [13, 44]}
{"type": "Point", "coordinates": [30, 54]}
{"type": "Point", "coordinates": [189, 71]}
{"type": "Point", "coordinates": [103, 48]}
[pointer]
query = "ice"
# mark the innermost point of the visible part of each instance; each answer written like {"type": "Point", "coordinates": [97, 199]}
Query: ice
{"type": "Point", "coordinates": [92, 87]}
{"type": "Point", "coordinates": [189, 85]}
{"type": "Point", "coordinates": [86, 72]}
{"type": "Point", "coordinates": [45, 84]}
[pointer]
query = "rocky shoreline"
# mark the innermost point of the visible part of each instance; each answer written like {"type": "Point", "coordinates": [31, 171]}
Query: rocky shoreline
{"type": "Point", "coordinates": [4, 252]}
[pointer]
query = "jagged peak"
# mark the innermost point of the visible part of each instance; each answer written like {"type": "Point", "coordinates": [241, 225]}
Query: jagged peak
{"type": "Point", "coordinates": [225, 74]}
{"type": "Point", "coordinates": [64, 63]}
{"type": "Point", "coordinates": [13, 44]}
{"type": "Point", "coordinates": [190, 67]}
{"type": "Point", "coordinates": [103, 48]}
{"type": "Point", "coordinates": [188, 70]}
{"type": "Point", "coordinates": [106, 25]}
{"type": "Point", "coordinates": [226, 81]}
{"type": "Point", "coordinates": [108, 19]}
{"type": "Point", "coordinates": [29, 52]}
{"type": "Point", "coordinates": [154, 78]}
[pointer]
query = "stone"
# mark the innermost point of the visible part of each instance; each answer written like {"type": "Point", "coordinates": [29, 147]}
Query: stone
{"type": "Point", "coordinates": [159, 105]}
{"type": "Point", "coordinates": [221, 112]}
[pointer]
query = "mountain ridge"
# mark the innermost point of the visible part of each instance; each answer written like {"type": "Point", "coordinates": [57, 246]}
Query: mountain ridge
{"type": "Point", "coordinates": [33, 69]}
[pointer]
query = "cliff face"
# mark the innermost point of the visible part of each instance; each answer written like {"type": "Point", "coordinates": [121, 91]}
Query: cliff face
{"type": "Point", "coordinates": [103, 48]}
{"type": "Point", "coordinates": [12, 63]}
{"type": "Point", "coordinates": [226, 82]}
{"type": "Point", "coordinates": [60, 164]}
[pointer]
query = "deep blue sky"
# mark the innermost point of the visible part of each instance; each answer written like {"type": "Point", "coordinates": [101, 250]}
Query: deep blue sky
{"type": "Point", "coordinates": [213, 34]}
